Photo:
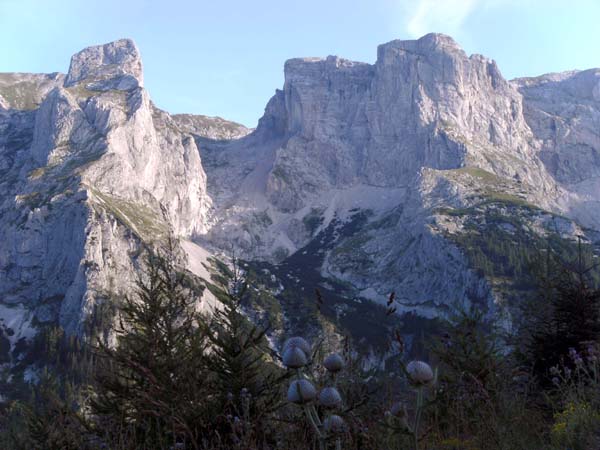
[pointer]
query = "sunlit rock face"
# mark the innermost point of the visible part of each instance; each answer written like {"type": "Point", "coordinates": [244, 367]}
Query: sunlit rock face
{"type": "Point", "coordinates": [117, 64]}
{"type": "Point", "coordinates": [430, 142]}
{"type": "Point", "coordinates": [91, 170]}
{"type": "Point", "coordinates": [423, 103]}
{"type": "Point", "coordinates": [563, 110]}
{"type": "Point", "coordinates": [372, 177]}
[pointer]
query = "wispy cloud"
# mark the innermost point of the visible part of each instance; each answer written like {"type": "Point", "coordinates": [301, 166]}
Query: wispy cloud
{"type": "Point", "coordinates": [448, 16]}
{"type": "Point", "coordinates": [438, 15]}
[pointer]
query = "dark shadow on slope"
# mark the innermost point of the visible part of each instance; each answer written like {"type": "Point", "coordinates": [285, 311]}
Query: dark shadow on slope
{"type": "Point", "coordinates": [362, 319]}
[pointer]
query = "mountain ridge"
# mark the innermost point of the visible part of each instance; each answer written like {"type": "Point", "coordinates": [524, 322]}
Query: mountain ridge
{"type": "Point", "coordinates": [425, 173]}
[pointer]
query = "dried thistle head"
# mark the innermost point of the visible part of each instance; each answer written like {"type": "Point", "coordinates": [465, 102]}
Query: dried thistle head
{"type": "Point", "coordinates": [333, 363]}
{"type": "Point", "coordinates": [300, 343]}
{"type": "Point", "coordinates": [419, 373]}
{"type": "Point", "coordinates": [330, 397]}
{"type": "Point", "coordinates": [334, 424]}
{"type": "Point", "coordinates": [294, 358]}
{"type": "Point", "coordinates": [301, 391]}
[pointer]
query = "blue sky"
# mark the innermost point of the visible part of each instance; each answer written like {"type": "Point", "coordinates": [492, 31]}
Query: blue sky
{"type": "Point", "coordinates": [225, 57]}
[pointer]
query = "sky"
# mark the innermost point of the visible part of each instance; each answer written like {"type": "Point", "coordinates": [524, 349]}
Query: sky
{"type": "Point", "coordinates": [225, 57]}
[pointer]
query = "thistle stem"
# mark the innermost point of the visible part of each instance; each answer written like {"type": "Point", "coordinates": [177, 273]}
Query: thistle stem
{"type": "Point", "coordinates": [311, 419]}
{"type": "Point", "coordinates": [418, 416]}
{"type": "Point", "coordinates": [315, 415]}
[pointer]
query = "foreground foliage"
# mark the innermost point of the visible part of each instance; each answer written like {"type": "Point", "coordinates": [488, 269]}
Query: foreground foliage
{"type": "Point", "coordinates": [171, 377]}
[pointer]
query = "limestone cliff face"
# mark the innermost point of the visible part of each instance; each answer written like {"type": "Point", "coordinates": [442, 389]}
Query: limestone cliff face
{"type": "Point", "coordinates": [563, 110]}
{"type": "Point", "coordinates": [88, 176]}
{"type": "Point", "coordinates": [377, 177]}
{"type": "Point", "coordinates": [423, 103]}
{"type": "Point", "coordinates": [118, 64]}
{"type": "Point", "coordinates": [422, 137]}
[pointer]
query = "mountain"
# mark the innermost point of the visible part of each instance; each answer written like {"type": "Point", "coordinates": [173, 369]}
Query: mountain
{"type": "Point", "coordinates": [443, 159]}
{"type": "Point", "coordinates": [426, 173]}
{"type": "Point", "coordinates": [90, 170]}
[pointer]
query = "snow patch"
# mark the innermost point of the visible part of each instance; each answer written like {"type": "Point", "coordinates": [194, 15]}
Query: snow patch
{"type": "Point", "coordinates": [15, 322]}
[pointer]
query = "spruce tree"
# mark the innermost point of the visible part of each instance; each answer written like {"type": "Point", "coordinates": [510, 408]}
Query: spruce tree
{"type": "Point", "coordinates": [49, 419]}
{"type": "Point", "coordinates": [564, 315]}
{"type": "Point", "coordinates": [154, 388]}
{"type": "Point", "coordinates": [249, 383]}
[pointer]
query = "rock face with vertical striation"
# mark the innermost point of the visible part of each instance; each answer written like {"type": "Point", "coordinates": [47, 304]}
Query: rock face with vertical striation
{"type": "Point", "coordinates": [88, 177]}
{"type": "Point", "coordinates": [422, 104]}
{"type": "Point", "coordinates": [563, 110]}
{"type": "Point", "coordinates": [432, 144]}
{"type": "Point", "coordinates": [425, 173]}
{"type": "Point", "coordinates": [117, 64]}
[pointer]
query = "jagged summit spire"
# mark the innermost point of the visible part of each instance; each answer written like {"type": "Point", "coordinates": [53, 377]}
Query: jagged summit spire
{"type": "Point", "coordinates": [119, 60]}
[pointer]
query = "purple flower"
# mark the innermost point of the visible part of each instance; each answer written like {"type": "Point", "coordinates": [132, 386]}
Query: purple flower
{"type": "Point", "coordinates": [573, 353]}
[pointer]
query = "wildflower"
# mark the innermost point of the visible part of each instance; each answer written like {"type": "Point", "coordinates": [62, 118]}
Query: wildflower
{"type": "Point", "coordinates": [301, 391]}
{"type": "Point", "coordinates": [592, 353]}
{"type": "Point", "coordinates": [298, 342]}
{"type": "Point", "coordinates": [554, 370]}
{"type": "Point", "coordinates": [334, 424]}
{"type": "Point", "coordinates": [329, 397]}
{"type": "Point", "coordinates": [244, 392]}
{"type": "Point", "coordinates": [555, 381]}
{"type": "Point", "coordinates": [398, 409]}
{"type": "Point", "coordinates": [294, 358]}
{"type": "Point", "coordinates": [334, 363]}
{"type": "Point", "coordinates": [419, 372]}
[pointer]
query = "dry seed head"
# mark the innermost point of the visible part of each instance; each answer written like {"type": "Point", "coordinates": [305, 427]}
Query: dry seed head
{"type": "Point", "coordinates": [330, 397]}
{"type": "Point", "coordinates": [301, 391]}
{"type": "Point", "coordinates": [294, 358]}
{"type": "Point", "coordinates": [334, 424]}
{"type": "Point", "coordinates": [333, 363]}
{"type": "Point", "coordinates": [299, 342]}
{"type": "Point", "coordinates": [419, 372]}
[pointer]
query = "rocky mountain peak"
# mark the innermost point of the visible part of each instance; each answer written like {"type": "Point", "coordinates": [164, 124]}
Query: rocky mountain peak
{"type": "Point", "coordinates": [424, 103]}
{"type": "Point", "coordinates": [117, 62]}
{"type": "Point", "coordinates": [301, 67]}
{"type": "Point", "coordinates": [438, 59]}
{"type": "Point", "coordinates": [426, 45]}
{"type": "Point", "coordinates": [582, 85]}
{"type": "Point", "coordinates": [367, 178]}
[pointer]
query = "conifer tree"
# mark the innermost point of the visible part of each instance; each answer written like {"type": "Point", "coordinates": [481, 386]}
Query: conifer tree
{"type": "Point", "coordinates": [248, 381]}
{"type": "Point", "coordinates": [154, 387]}
{"type": "Point", "coordinates": [48, 420]}
{"type": "Point", "coordinates": [565, 314]}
